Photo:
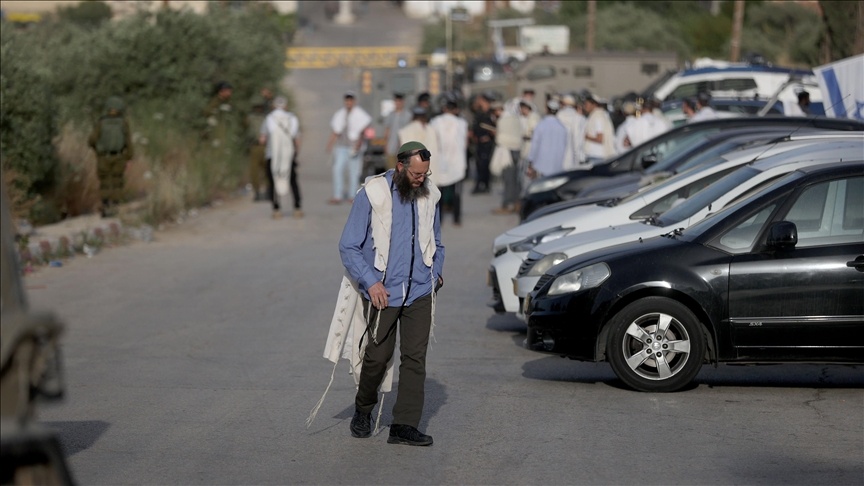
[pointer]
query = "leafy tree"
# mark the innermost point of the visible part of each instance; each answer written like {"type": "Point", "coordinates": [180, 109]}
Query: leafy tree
{"type": "Point", "coordinates": [843, 21]}
{"type": "Point", "coordinates": [89, 14]}
{"type": "Point", "coordinates": [626, 27]}
{"type": "Point", "coordinates": [786, 33]}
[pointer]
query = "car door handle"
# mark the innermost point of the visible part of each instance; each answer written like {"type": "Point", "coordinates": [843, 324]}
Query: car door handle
{"type": "Point", "coordinates": [857, 264]}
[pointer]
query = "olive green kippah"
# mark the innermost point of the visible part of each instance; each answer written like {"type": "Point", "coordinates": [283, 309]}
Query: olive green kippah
{"type": "Point", "coordinates": [411, 146]}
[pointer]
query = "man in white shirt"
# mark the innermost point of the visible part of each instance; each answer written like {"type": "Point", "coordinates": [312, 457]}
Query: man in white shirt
{"type": "Point", "coordinates": [703, 108]}
{"type": "Point", "coordinates": [451, 132]}
{"type": "Point", "coordinates": [280, 131]}
{"type": "Point", "coordinates": [346, 142]}
{"type": "Point", "coordinates": [575, 123]}
{"type": "Point", "coordinates": [599, 133]}
{"type": "Point", "coordinates": [622, 143]}
{"type": "Point", "coordinates": [644, 128]}
{"type": "Point", "coordinates": [548, 144]}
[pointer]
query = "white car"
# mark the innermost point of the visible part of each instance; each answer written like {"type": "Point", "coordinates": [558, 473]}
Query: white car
{"type": "Point", "coordinates": [741, 80]}
{"type": "Point", "coordinates": [735, 186]}
{"type": "Point", "coordinates": [511, 247]}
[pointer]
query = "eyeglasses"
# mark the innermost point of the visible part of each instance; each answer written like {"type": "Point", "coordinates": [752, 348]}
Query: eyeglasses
{"type": "Point", "coordinates": [424, 154]}
{"type": "Point", "coordinates": [415, 175]}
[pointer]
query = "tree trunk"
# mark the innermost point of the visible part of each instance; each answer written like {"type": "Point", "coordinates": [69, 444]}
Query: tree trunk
{"type": "Point", "coordinates": [737, 23]}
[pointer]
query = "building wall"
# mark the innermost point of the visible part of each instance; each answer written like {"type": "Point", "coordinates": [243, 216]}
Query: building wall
{"type": "Point", "coordinates": [123, 7]}
{"type": "Point", "coordinates": [418, 9]}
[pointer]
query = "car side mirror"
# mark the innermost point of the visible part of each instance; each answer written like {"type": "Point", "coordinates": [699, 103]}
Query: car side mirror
{"type": "Point", "coordinates": [782, 235]}
{"type": "Point", "coordinates": [649, 160]}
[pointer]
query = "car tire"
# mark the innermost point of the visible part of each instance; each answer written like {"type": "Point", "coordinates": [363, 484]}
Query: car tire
{"type": "Point", "coordinates": [646, 363]}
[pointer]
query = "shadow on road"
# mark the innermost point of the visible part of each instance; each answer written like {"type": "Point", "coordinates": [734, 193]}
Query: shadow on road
{"type": "Point", "coordinates": [436, 397]}
{"type": "Point", "coordinates": [505, 323]}
{"type": "Point", "coordinates": [554, 368]}
{"type": "Point", "coordinates": [78, 435]}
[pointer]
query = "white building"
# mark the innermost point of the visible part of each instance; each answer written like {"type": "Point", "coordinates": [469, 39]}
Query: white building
{"type": "Point", "coordinates": [418, 9]}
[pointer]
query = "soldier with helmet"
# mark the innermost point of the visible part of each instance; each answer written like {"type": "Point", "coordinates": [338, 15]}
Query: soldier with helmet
{"type": "Point", "coordinates": [111, 139]}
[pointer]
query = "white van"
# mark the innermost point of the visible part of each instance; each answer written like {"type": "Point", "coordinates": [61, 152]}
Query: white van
{"type": "Point", "coordinates": [740, 80]}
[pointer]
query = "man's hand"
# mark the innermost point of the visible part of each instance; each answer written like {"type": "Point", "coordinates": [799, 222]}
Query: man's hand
{"type": "Point", "coordinates": [439, 283]}
{"type": "Point", "coordinates": [378, 295]}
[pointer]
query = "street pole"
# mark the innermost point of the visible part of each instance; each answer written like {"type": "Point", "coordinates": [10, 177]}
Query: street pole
{"type": "Point", "coordinates": [592, 19]}
{"type": "Point", "coordinates": [449, 34]}
{"type": "Point", "coordinates": [737, 22]}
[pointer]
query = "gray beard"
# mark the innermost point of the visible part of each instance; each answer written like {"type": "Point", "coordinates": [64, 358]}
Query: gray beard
{"type": "Point", "coordinates": [407, 193]}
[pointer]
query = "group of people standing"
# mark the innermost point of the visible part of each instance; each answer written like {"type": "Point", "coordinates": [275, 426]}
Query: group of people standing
{"type": "Point", "coordinates": [571, 132]}
{"type": "Point", "coordinates": [443, 134]}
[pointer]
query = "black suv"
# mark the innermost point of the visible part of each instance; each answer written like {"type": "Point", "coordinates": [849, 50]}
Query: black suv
{"type": "Point", "coordinates": [778, 277]}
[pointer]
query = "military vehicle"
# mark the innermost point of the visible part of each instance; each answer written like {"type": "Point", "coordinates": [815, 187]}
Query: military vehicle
{"type": "Point", "coordinates": [377, 86]}
{"type": "Point", "coordinates": [605, 74]}
{"type": "Point", "coordinates": [31, 372]}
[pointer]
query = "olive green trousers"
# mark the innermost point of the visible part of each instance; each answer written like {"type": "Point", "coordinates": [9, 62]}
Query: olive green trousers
{"type": "Point", "coordinates": [413, 330]}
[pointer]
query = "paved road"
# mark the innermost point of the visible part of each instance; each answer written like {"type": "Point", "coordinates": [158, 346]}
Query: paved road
{"type": "Point", "coordinates": [195, 359]}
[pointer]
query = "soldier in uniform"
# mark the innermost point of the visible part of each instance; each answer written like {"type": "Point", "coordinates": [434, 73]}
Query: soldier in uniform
{"type": "Point", "coordinates": [222, 118]}
{"type": "Point", "coordinates": [257, 160]}
{"type": "Point", "coordinates": [111, 139]}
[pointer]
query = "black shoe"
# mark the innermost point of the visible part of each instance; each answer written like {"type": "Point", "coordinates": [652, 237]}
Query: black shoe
{"type": "Point", "coordinates": [407, 435]}
{"type": "Point", "coordinates": [361, 424]}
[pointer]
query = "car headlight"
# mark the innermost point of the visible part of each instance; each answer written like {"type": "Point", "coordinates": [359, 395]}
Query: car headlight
{"type": "Point", "coordinates": [545, 263]}
{"type": "Point", "coordinates": [542, 237]}
{"type": "Point", "coordinates": [583, 278]}
{"type": "Point", "coordinates": [547, 184]}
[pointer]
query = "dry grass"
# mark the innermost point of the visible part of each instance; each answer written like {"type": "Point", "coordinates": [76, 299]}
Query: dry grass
{"type": "Point", "coordinates": [19, 203]}
{"type": "Point", "coordinates": [164, 179]}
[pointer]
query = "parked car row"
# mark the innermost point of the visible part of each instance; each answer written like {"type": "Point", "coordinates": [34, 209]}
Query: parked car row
{"type": "Point", "coordinates": [753, 252]}
{"type": "Point", "coordinates": [568, 185]}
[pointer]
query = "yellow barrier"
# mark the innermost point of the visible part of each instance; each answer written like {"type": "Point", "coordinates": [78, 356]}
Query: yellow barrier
{"type": "Point", "coordinates": [331, 57]}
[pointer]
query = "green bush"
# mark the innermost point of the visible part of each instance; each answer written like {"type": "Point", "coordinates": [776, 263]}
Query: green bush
{"type": "Point", "coordinates": [87, 14]}
{"type": "Point", "coordinates": [163, 64]}
{"type": "Point", "coordinates": [27, 119]}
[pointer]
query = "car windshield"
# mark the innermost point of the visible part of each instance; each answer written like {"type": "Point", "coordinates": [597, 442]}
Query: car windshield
{"type": "Point", "coordinates": [649, 190]}
{"type": "Point", "coordinates": [668, 153]}
{"type": "Point", "coordinates": [700, 227]}
{"type": "Point", "coordinates": [705, 197]}
{"type": "Point", "coordinates": [722, 148]}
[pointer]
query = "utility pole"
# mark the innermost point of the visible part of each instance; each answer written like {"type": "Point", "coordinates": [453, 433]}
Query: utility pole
{"type": "Point", "coordinates": [592, 19]}
{"type": "Point", "coordinates": [737, 23]}
{"type": "Point", "coordinates": [859, 30]}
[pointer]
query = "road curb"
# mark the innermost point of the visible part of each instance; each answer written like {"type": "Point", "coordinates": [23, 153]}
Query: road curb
{"type": "Point", "coordinates": [83, 235]}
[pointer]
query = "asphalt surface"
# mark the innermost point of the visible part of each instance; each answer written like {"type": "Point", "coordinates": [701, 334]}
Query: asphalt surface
{"type": "Point", "coordinates": [196, 359]}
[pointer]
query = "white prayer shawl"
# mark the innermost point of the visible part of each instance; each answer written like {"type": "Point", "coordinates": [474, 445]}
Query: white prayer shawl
{"type": "Point", "coordinates": [353, 122]}
{"type": "Point", "coordinates": [645, 128]}
{"type": "Point", "coordinates": [529, 123]}
{"type": "Point", "coordinates": [621, 135]}
{"type": "Point", "coordinates": [599, 123]}
{"type": "Point", "coordinates": [508, 133]}
{"type": "Point", "coordinates": [452, 135]}
{"type": "Point", "coordinates": [704, 113]}
{"type": "Point", "coordinates": [567, 115]}
{"type": "Point", "coordinates": [282, 128]}
{"type": "Point", "coordinates": [349, 323]}
{"type": "Point", "coordinates": [425, 134]}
